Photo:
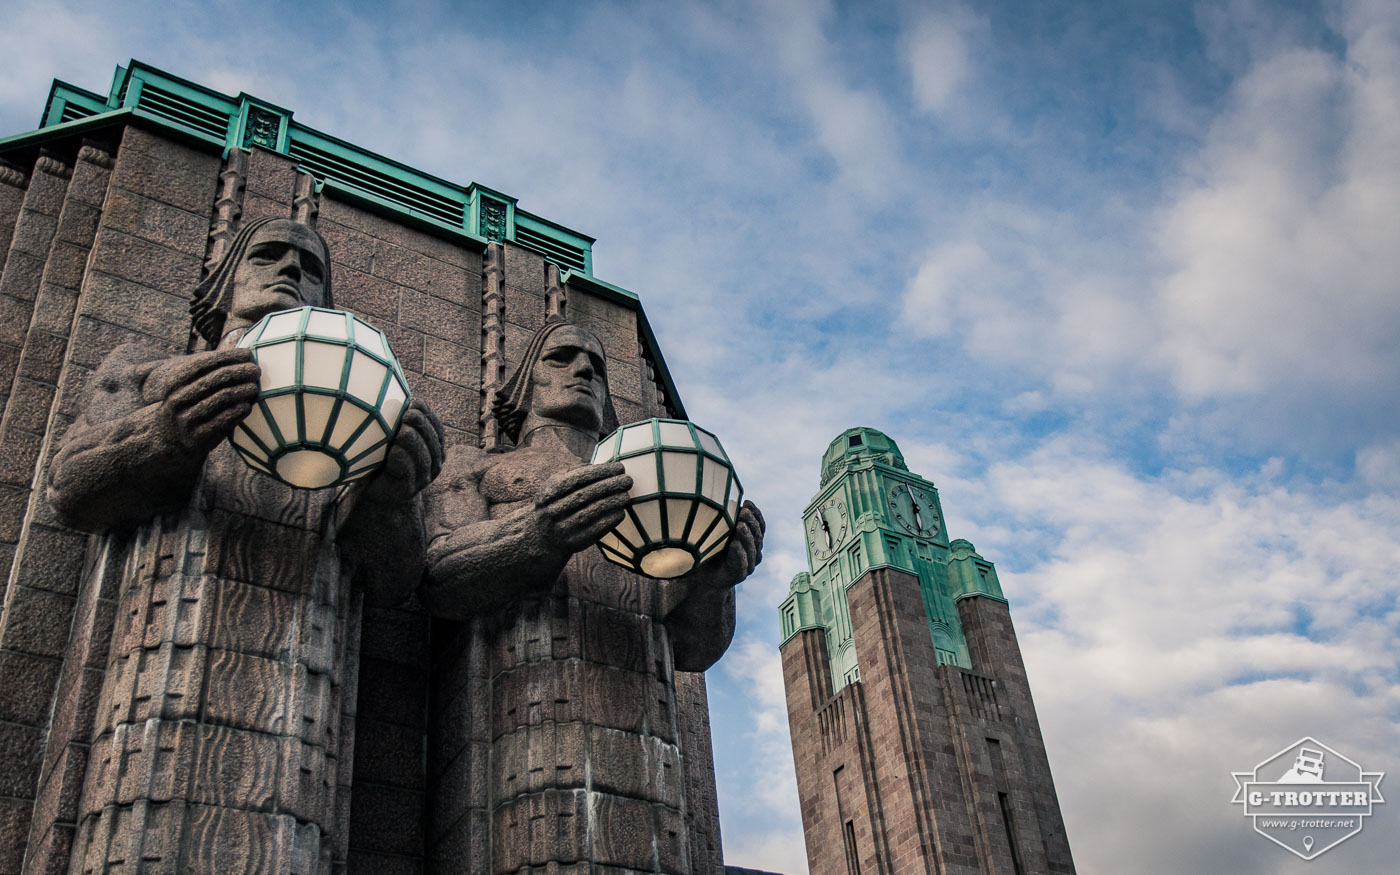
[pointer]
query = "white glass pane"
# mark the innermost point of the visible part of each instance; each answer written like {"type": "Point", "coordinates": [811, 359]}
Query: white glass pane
{"type": "Point", "coordinates": [250, 335]}
{"type": "Point", "coordinates": [246, 444]}
{"type": "Point", "coordinates": [257, 466]}
{"type": "Point", "coordinates": [635, 437]}
{"type": "Point", "coordinates": [629, 531]}
{"type": "Point", "coordinates": [367, 337]}
{"type": "Point", "coordinates": [715, 480]}
{"type": "Point", "coordinates": [366, 378]}
{"type": "Point", "coordinates": [309, 469]}
{"type": "Point", "coordinates": [708, 441]}
{"type": "Point", "coordinates": [257, 424]}
{"type": "Point", "coordinates": [286, 324]}
{"type": "Point", "coordinates": [346, 422]}
{"type": "Point", "coordinates": [667, 562]}
{"type": "Point", "coordinates": [279, 365]}
{"type": "Point", "coordinates": [624, 561]}
{"type": "Point", "coordinates": [677, 514]}
{"type": "Point", "coordinates": [322, 364]}
{"type": "Point", "coordinates": [720, 532]}
{"type": "Point", "coordinates": [317, 411]}
{"type": "Point", "coordinates": [326, 324]}
{"type": "Point", "coordinates": [610, 540]}
{"type": "Point", "coordinates": [368, 438]}
{"type": "Point", "coordinates": [675, 434]}
{"type": "Point", "coordinates": [715, 550]}
{"type": "Point", "coordinates": [649, 513]}
{"type": "Point", "coordinates": [678, 472]}
{"type": "Point", "coordinates": [284, 412]}
{"type": "Point", "coordinates": [394, 398]}
{"type": "Point", "coordinates": [372, 461]}
{"type": "Point", "coordinates": [604, 451]}
{"type": "Point", "coordinates": [704, 515]}
{"type": "Point", "coordinates": [733, 507]}
{"type": "Point", "coordinates": [643, 472]}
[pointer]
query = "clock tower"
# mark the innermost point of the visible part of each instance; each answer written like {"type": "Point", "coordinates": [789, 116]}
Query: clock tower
{"type": "Point", "coordinates": [914, 734]}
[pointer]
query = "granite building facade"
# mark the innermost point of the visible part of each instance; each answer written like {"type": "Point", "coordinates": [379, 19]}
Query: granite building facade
{"type": "Point", "coordinates": [913, 731]}
{"type": "Point", "coordinates": [110, 213]}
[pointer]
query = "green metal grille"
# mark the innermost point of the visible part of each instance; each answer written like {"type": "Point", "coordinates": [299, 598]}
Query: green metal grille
{"type": "Point", "coordinates": [324, 165]}
{"type": "Point", "coordinates": [183, 110]}
{"type": "Point", "coordinates": [565, 256]}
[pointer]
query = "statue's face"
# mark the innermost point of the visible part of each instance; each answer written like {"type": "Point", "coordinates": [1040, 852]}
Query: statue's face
{"type": "Point", "coordinates": [282, 269]}
{"type": "Point", "coordinates": [569, 383]}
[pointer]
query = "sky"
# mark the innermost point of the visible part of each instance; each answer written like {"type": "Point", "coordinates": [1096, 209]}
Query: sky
{"type": "Point", "coordinates": [1120, 278]}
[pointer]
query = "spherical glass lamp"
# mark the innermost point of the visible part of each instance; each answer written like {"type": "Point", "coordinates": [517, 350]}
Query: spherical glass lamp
{"type": "Point", "coordinates": [331, 398]}
{"type": "Point", "coordinates": [684, 498]}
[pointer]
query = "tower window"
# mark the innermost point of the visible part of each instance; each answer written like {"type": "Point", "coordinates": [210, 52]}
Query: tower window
{"type": "Point", "coordinates": [852, 860]}
{"type": "Point", "coordinates": [855, 440]}
{"type": "Point", "coordinates": [1009, 823]}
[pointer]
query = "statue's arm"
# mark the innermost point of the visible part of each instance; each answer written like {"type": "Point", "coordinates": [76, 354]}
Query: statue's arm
{"type": "Point", "coordinates": [149, 423]}
{"type": "Point", "coordinates": [383, 532]}
{"type": "Point", "coordinates": [701, 625]}
{"type": "Point", "coordinates": [477, 563]}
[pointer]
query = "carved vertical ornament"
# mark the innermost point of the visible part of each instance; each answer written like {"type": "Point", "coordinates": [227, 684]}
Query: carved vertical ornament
{"type": "Point", "coordinates": [555, 296]}
{"type": "Point", "coordinates": [306, 203]}
{"type": "Point", "coordinates": [228, 206]}
{"type": "Point", "coordinates": [493, 343]}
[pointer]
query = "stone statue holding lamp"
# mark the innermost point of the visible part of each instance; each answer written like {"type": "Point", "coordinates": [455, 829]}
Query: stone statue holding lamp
{"type": "Point", "coordinates": [236, 593]}
{"type": "Point", "coordinates": [566, 662]}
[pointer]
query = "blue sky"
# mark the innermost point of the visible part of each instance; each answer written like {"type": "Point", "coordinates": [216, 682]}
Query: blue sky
{"type": "Point", "coordinates": [1120, 278]}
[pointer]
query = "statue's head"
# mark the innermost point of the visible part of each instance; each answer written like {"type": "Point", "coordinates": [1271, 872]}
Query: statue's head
{"type": "Point", "coordinates": [272, 264]}
{"type": "Point", "coordinates": [562, 379]}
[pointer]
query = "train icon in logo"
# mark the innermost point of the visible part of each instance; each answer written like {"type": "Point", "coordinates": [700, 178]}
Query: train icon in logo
{"type": "Point", "coordinates": [1308, 798]}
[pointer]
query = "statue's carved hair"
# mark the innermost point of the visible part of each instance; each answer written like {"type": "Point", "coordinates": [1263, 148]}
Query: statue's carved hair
{"type": "Point", "coordinates": [213, 297]}
{"type": "Point", "coordinates": [512, 401]}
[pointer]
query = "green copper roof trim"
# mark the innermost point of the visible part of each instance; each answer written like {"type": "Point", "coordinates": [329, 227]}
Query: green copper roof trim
{"type": "Point", "coordinates": [68, 102]}
{"type": "Point", "coordinates": [207, 116]}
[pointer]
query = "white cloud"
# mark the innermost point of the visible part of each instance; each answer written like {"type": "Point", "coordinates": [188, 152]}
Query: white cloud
{"type": "Point", "coordinates": [853, 125]}
{"type": "Point", "coordinates": [1280, 248]}
{"type": "Point", "coordinates": [936, 54]}
{"type": "Point", "coordinates": [1186, 625]}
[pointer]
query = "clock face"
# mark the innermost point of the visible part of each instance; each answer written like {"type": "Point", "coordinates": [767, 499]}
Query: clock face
{"type": "Point", "coordinates": [827, 528]}
{"type": "Point", "coordinates": [913, 510]}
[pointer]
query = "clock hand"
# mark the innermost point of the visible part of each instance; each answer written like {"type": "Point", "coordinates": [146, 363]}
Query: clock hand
{"type": "Point", "coordinates": [918, 518]}
{"type": "Point", "coordinates": [826, 529]}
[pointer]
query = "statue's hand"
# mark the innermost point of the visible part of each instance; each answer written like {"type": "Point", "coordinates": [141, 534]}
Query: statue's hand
{"type": "Point", "coordinates": [576, 508]}
{"type": "Point", "coordinates": [742, 556]}
{"type": "Point", "coordinates": [201, 397]}
{"type": "Point", "coordinates": [414, 458]}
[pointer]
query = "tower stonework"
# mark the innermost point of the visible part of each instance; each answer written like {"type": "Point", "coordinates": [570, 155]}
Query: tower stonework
{"type": "Point", "coordinates": [914, 735]}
